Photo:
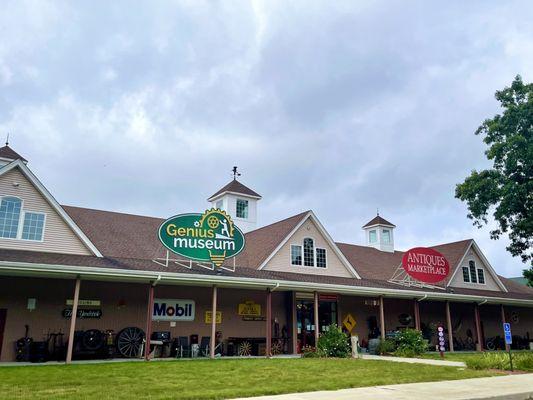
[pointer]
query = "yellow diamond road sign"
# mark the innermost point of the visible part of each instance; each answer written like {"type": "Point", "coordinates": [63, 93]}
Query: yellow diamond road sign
{"type": "Point", "coordinates": [349, 322]}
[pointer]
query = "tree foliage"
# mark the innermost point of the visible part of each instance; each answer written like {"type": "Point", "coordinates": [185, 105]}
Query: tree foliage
{"type": "Point", "coordinates": [528, 274]}
{"type": "Point", "coordinates": [506, 189]}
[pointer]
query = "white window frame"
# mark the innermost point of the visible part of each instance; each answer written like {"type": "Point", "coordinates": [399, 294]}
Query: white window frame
{"type": "Point", "coordinates": [21, 221]}
{"type": "Point", "coordinates": [477, 268]}
{"type": "Point", "coordinates": [325, 255]}
{"type": "Point", "coordinates": [301, 245]}
{"type": "Point", "coordinates": [484, 276]}
{"type": "Point", "coordinates": [383, 236]}
{"type": "Point", "coordinates": [369, 236]}
{"type": "Point", "coordinates": [247, 209]}
{"type": "Point", "coordinates": [463, 273]}
{"type": "Point", "coordinates": [301, 255]}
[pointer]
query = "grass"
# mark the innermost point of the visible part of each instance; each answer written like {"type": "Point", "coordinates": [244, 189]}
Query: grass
{"type": "Point", "coordinates": [212, 379]}
{"type": "Point", "coordinates": [473, 356]}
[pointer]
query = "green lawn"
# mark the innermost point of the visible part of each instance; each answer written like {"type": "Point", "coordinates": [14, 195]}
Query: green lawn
{"type": "Point", "coordinates": [212, 379]}
{"type": "Point", "coordinates": [464, 356]}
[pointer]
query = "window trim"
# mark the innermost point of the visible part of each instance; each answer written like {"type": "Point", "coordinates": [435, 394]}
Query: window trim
{"type": "Point", "coordinates": [247, 209]}
{"type": "Point", "coordinates": [376, 232]}
{"type": "Point", "coordinates": [325, 255]}
{"type": "Point", "coordinates": [484, 276]}
{"type": "Point", "coordinates": [383, 236]}
{"type": "Point", "coordinates": [301, 255]}
{"type": "Point", "coordinates": [21, 221]}
{"type": "Point", "coordinates": [301, 245]}
{"type": "Point", "coordinates": [467, 274]}
{"type": "Point", "coordinates": [477, 268]}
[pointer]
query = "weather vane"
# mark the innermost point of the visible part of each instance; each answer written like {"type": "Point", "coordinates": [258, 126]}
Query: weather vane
{"type": "Point", "coordinates": [235, 173]}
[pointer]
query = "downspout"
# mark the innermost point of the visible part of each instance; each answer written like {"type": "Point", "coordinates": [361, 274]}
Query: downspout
{"type": "Point", "coordinates": [483, 302]}
{"type": "Point", "coordinates": [423, 298]}
{"type": "Point", "coordinates": [156, 281]}
{"type": "Point", "coordinates": [275, 287]}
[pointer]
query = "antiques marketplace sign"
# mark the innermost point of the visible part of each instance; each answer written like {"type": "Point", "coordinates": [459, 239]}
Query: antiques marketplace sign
{"type": "Point", "coordinates": [209, 237]}
{"type": "Point", "coordinates": [425, 265]}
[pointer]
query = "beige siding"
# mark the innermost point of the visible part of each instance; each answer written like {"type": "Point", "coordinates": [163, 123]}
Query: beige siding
{"type": "Point", "coordinates": [58, 237]}
{"type": "Point", "coordinates": [490, 282]}
{"type": "Point", "coordinates": [282, 260]}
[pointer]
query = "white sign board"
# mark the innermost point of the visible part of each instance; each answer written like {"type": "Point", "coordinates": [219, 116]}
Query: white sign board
{"type": "Point", "coordinates": [173, 310]}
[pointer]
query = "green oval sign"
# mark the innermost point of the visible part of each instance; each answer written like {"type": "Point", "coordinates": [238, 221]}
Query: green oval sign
{"type": "Point", "coordinates": [210, 236]}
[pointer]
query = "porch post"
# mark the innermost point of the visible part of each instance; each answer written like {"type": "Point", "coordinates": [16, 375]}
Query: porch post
{"type": "Point", "coordinates": [70, 345]}
{"type": "Point", "coordinates": [449, 324]}
{"type": "Point", "coordinates": [213, 323]}
{"type": "Point", "coordinates": [477, 319]}
{"type": "Point", "coordinates": [381, 317]}
{"type": "Point", "coordinates": [417, 315]}
{"type": "Point", "coordinates": [268, 347]}
{"type": "Point", "coordinates": [317, 332]}
{"type": "Point", "coordinates": [294, 321]}
{"type": "Point", "coordinates": [502, 309]}
{"type": "Point", "coordinates": [149, 312]}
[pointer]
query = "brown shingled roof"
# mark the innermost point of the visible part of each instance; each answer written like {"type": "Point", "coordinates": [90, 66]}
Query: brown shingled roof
{"type": "Point", "coordinates": [8, 152]}
{"type": "Point", "coordinates": [236, 187]}
{"type": "Point", "coordinates": [377, 220]}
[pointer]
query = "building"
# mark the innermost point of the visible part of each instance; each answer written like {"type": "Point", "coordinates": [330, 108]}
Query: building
{"type": "Point", "coordinates": [289, 283]}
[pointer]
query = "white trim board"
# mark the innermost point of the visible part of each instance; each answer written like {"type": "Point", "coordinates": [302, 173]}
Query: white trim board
{"type": "Point", "coordinates": [52, 201]}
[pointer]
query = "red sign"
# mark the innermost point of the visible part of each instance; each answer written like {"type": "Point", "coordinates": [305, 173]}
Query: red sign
{"type": "Point", "coordinates": [425, 265]}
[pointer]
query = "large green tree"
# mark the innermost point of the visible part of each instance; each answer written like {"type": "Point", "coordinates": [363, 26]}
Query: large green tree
{"type": "Point", "coordinates": [506, 189]}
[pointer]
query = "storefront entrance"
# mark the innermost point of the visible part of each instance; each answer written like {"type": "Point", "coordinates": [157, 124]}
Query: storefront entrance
{"type": "Point", "coordinates": [3, 314]}
{"type": "Point", "coordinates": [305, 317]}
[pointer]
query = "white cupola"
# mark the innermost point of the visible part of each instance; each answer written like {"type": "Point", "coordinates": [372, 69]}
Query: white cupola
{"type": "Point", "coordinates": [379, 234]}
{"type": "Point", "coordinates": [239, 201]}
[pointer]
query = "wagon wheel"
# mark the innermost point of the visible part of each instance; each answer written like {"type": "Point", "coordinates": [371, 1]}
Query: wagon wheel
{"type": "Point", "coordinates": [276, 348]}
{"type": "Point", "coordinates": [92, 340]}
{"type": "Point", "coordinates": [129, 342]}
{"type": "Point", "coordinates": [245, 349]}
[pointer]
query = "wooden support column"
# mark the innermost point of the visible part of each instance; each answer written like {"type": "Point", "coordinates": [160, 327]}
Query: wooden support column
{"type": "Point", "coordinates": [294, 321]}
{"type": "Point", "coordinates": [75, 301]}
{"type": "Point", "coordinates": [449, 326]}
{"type": "Point", "coordinates": [149, 312]}
{"type": "Point", "coordinates": [381, 317]}
{"type": "Point", "coordinates": [213, 323]}
{"type": "Point", "coordinates": [317, 331]}
{"type": "Point", "coordinates": [268, 347]}
{"type": "Point", "coordinates": [477, 320]}
{"type": "Point", "coordinates": [502, 309]}
{"type": "Point", "coordinates": [417, 315]}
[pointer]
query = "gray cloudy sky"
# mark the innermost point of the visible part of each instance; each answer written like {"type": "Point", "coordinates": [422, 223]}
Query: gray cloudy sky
{"type": "Point", "coordinates": [339, 107]}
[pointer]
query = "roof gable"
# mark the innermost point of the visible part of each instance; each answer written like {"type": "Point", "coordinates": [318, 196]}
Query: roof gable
{"type": "Point", "coordinates": [8, 153]}
{"type": "Point", "coordinates": [36, 185]}
{"type": "Point", "coordinates": [377, 220]}
{"type": "Point", "coordinates": [235, 187]}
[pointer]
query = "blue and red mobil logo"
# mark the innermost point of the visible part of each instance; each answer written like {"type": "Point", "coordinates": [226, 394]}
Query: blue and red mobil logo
{"type": "Point", "coordinates": [173, 310]}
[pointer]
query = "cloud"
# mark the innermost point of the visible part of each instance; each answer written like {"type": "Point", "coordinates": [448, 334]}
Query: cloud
{"type": "Point", "coordinates": [337, 107]}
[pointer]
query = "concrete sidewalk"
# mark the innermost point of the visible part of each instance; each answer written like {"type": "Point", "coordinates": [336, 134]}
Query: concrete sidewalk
{"type": "Point", "coordinates": [513, 387]}
{"type": "Point", "coordinates": [444, 363]}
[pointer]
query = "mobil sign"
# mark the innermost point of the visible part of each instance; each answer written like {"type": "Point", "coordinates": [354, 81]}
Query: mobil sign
{"type": "Point", "coordinates": [425, 265]}
{"type": "Point", "coordinates": [173, 310]}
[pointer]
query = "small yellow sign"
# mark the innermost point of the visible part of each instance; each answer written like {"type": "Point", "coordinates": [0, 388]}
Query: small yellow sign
{"type": "Point", "coordinates": [249, 309]}
{"type": "Point", "coordinates": [349, 322]}
{"type": "Point", "coordinates": [95, 303]}
{"type": "Point", "coordinates": [209, 316]}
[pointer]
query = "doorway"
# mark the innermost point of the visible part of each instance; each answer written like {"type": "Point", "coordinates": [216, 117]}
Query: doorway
{"type": "Point", "coordinates": [305, 320]}
{"type": "Point", "coordinates": [3, 315]}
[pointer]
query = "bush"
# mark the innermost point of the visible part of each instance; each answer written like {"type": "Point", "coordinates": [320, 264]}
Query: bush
{"type": "Point", "coordinates": [410, 343]}
{"type": "Point", "coordinates": [333, 343]}
{"type": "Point", "coordinates": [386, 346]}
{"type": "Point", "coordinates": [309, 352]}
{"type": "Point", "coordinates": [521, 361]}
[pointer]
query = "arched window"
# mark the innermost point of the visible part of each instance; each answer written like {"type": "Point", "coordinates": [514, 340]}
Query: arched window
{"type": "Point", "coordinates": [9, 216]}
{"type": "Point", "coordinates": [472, 266]}
{"type": "Point", "coordinates": [309, 252]}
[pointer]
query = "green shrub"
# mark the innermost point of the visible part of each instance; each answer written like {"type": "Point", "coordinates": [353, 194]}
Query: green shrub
{"type": "Point", "coordinates": [386, 346]}
{"type": "Point", "coordinates": [521, 361]}
{"type": "Point", "coordinates": [309, 352]}
{"type": "Point", "coordinates": [333, 343]}
{"type": "Point", "coordinates": [410, 343]}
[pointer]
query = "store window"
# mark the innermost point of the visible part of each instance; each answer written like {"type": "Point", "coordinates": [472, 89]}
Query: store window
{"type": "Point", "coordinates": [296, 254]}
{"type": "Point", "coordinates": [481, 276]}
{"type": "Point", "coordinates": [33, 226]}
{"type": "Point", "coordinates": [372, 236]}
{"type": "Point", "coordinates": [472, 267]}
{"type": "Point", "coordinates": [309, 252]}
{"type": "Point", "coordinates": [386, 236]}
{"type": "Point", "coordinates": [242, 208]}
{"type": "Point", "coordinates": [321, 258]}
{"type": "Point", "coordinates": [10, 209]}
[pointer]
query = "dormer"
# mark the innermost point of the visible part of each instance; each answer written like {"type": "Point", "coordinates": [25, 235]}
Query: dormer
{"type": "Point", "coordinates": [379, 234]}
{"type": "Point", "coordinates": [240, 202]}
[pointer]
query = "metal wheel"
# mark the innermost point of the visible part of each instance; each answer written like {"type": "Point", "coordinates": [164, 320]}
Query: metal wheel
{"type": "Point", "coordinates": [245, 349]}
{"type": "Point", "coordinates": [276, 348]}
{"type": "Point", "coordinates": [129, 342]}
{"type": "Point", "coordinates": [92, 340]}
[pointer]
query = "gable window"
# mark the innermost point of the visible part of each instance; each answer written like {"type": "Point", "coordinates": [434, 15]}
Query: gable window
{"type": "Point", "coordinates": [296, 254]}
{"type": "Point", "coordinates": [481, 276]}
{"type": "Point", "coordinates": [309, 252]}
{"type": "Point", "coordinates": [472, 267]}
{"type": "Point", "coordinates": [242, 208]}
{"type": "Point", "coordinates": [386, 236]}
{"type": "Point", "coordinates": [219, 204]}
{"type": "Point", "coordinates": [372, 236]}
{"type": "Point", "coordinates": [10, 208]}
{"type": "Point", "coordinates": [32, 228]}
{"type": "Point", "coordinates": [321, 258]}
{"type": "Point", "coordinates": [466, 274]}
